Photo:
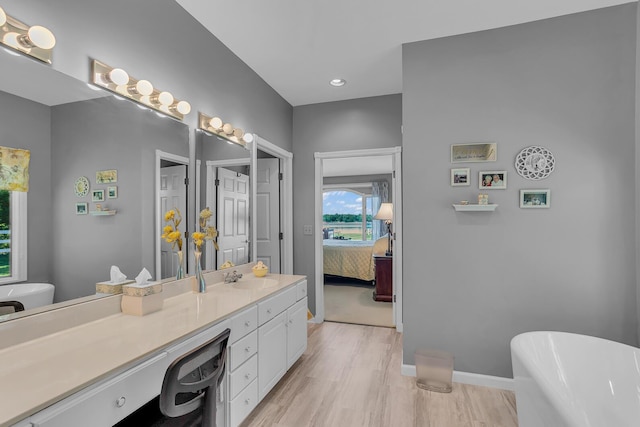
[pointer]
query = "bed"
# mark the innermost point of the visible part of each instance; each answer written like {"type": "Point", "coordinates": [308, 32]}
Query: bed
{"type": "Point", "coordinates": [351, 258]}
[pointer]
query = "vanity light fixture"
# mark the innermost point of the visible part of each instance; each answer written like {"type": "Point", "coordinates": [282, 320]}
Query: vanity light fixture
{"type": "Point", "coordinates": [215, 126]}
{"type": "Point", "coordinates": [338, 82]}
{"type": "Point", "coordinates": [119, 82]}
{"type": "Point", "coordinates": [35, 41]}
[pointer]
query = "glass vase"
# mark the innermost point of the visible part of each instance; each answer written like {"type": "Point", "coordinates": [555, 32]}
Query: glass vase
{"type": "Point", "coordinates": [180, 272]}
{"type": "Point", "coordinates": [202, 286]}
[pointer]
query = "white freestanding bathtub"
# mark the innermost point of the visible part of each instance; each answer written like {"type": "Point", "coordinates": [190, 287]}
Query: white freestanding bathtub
{"type": "Point", "coordinates": [564, 379]}
{"type": "Point", "coordinates": [31, 295]}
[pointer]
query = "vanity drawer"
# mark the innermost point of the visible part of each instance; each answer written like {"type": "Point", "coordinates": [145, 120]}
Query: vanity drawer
{"type": "Point", "coordinates": [243, 376]}
{"type": "Point", "coordinates": [301, 290]}
{"type": "Point", "coordinates": [242, 350]}
{"type": "Point", "coordinates": [110, 402]}
{"type": "Point", "coordinates": [271, 307]}
{"type": "Point", "coordinates": [243, 323]}
{"type": "Point", "coordinates": [243, 404]}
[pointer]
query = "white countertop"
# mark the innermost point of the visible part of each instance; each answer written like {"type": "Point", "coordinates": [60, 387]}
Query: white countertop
{"type": "Point", "coordinates": [40, 372]}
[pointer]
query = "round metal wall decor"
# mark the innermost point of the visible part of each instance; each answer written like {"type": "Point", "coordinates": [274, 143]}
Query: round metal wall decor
{"type": "Point", "coordinates": [535, 163]}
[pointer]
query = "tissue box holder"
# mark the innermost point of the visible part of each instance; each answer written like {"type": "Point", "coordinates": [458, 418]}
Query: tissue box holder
{"type": "Point", "coordinates": [139, 300]}
{"type": "Point", "coordinates": [111, 288]}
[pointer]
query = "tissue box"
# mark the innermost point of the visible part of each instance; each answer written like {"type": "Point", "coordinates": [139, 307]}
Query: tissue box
{"type": "Point", "coordinates": [111, 288]}
{"type": "Point", "coordinates": [139, 300]}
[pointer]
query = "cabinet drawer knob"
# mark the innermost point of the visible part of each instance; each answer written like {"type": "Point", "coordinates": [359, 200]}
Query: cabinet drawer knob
{"type": "Point", "coordinates": [247, 323]}
{"type": "Point", "coordinates": [121, 401]}
{"type": "Point", "coordinates": [247, 349]}
{"type": "Point", "coordinates": [247, 375]}
{"type": "Point", "coordinates": [247, 401]}
{"type": "Point", "coordinates": [268, 311]}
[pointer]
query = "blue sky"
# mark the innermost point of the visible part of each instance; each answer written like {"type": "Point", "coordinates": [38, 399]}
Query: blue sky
{"type": "Point", "coordinates": [341, 202]}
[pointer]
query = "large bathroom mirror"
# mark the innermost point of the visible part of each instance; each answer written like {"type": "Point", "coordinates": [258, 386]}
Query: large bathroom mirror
{"type": "Point", "coordinates": [76, 136]}
{"type": "Point", "coordinates": [223, 185]}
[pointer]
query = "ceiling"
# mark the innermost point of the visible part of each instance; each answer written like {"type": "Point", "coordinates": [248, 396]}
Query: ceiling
{"type": "Point", "coordinates": [297, 46]}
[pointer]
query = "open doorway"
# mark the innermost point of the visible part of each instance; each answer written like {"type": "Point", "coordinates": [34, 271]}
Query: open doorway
{"type": "Point", "coordinates": [359, 163]}
{"type": "Point", "coordinates": [351, 238]}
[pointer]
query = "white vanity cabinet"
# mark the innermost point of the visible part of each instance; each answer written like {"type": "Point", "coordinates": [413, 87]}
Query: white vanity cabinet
{"type": "Point", "coordinates": [282, 335]}
{"type": "Point", "coordinates": [113, 399]}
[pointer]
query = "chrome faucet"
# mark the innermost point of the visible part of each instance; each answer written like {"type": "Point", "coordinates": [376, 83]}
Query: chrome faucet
{"type": "Point", "coordinates": [232, 277]}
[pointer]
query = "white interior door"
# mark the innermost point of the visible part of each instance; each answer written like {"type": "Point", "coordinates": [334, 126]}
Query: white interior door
{"type": "Point", "coordinates": [233, 217]}
{"type": "Point", "coordinates": [173, 194]}
{"type": "Point", "coordinates": [268, 213]}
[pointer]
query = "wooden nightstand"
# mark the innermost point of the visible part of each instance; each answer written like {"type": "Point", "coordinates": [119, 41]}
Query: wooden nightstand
{"type": "Point", "coordinates": [383, 278]}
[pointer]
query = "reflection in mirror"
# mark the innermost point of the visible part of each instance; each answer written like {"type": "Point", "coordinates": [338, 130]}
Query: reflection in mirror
{"type": "Point", "coordinates": [172, 196]}
{"type": "Point", "coordinates": [74, 132]}
{"type": "Point", "coordinates": [268, 204]}
{"type": "Point", "coordinates": [224, 171]}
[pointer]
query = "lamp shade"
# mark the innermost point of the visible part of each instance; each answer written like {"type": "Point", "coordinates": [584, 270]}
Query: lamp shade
{"type": "Point", "coordinates": [385, 212]}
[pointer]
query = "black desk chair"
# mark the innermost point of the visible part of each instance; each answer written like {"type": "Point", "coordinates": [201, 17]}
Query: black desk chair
{"type": "Point", "coordinates": [8, 307]}
{"type": "Point", "coordinates": [191, 382]}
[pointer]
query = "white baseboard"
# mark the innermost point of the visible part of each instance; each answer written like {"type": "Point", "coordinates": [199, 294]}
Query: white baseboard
{"type": "Point", "coordinates": [469, 378]}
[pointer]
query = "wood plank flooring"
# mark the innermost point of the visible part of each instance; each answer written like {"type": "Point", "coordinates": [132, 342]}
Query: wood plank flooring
{"type": "Point", "coordinates": [350, 376]}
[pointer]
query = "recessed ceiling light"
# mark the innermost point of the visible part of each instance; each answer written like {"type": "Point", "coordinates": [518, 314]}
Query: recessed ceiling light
{"type": "Point", "coordinates": [338, 82]}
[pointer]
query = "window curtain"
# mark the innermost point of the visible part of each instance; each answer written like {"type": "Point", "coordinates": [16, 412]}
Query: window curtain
{"type": "Point", "coordinates": [379, 195]}
{"type": "Point", "coordinates": [14, 169]}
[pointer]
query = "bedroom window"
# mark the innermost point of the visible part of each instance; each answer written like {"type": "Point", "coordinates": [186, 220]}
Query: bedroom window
{"type": "Point", "coordinates": [346, 215]}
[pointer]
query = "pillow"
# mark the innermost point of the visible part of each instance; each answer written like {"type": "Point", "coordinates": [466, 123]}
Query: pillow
{"type": "Point", "coordinates": [381, 245]}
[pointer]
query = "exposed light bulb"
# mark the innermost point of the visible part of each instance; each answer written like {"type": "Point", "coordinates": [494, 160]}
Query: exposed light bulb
{"type": "Point", "coordinates": [3, 17]}
{"type": "Point", "coordinates": [227, 128]}
{"type": "Point", "coordinates": [118, 76]}
{"type": "Point", "coordinates": [41, 37]}
{"type": "Point", "coordinates": [145, 99]}
{"type": "Point", "coordinates": [144, 87]}
{"type": "Point", "coordinates": [183, 107]}
{"type": "Point", "coordinates": [122, 89]}
{"type": "Point", "coordinates": [11, 39]}
{"type": "Point", "coordinates": [165, 98]}
{"type": "Point", "coordinates": [238, 133]}
{"type": "Point", "coordinates": [248, 137]}
{"type": "Point", "coordinates": [215, 123]}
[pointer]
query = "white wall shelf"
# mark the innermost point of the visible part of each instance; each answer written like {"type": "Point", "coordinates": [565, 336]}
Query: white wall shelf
{"type": "Point", "coordinates": [102, 213]}
{"type": "Point", "coordinates": [474, 208]}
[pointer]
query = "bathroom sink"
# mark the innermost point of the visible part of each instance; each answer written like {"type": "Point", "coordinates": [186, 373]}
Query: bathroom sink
{"type": "Point", "coordinates": [255, 283]}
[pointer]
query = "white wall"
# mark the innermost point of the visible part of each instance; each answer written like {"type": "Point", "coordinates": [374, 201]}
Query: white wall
{"type": "Point", "coordinates": [472, 281]}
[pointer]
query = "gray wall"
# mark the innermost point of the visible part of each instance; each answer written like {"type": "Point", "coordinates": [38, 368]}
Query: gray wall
{"type": "Point", "coordinates": [27, 124]}
{"type": "Point", "coordinates": [472, 281]}
{"type": "Point", "coordinates": [161, 42]}
{"type": "Point", "coordinates": [334, 126]}
{"type": "Point", "coordinates": [95, 135]}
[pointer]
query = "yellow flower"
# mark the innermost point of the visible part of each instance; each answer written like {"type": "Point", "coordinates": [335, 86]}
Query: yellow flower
{"type": "Point", "coordinates": [167, 229]}
{"type": "Point", "coordinates": [196, 235]}
{"type": "Point", "coordinates": [169, 215]}
{"type": "Point", "coordinates": [198, 242]}
{"type": "Point", "coordinates": [210, 233]}
{"type": "Point", "coordinates": [175, 235]}
{"type": "Point", "coordinates": [205, 214]}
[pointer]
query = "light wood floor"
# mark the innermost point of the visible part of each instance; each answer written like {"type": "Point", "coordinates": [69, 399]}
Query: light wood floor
{"type": "Point", "coordinates": [350, 376]}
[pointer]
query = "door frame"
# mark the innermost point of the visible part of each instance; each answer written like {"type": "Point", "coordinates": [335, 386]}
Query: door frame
{"type": "Point", "coordinates": [286, 198]}
{"type": "Point", "coordinates": [163, 155]}
{"type": "Point", "coordinates": [396, 199]}
{"type": "Point", "coordinates": [286, 195]}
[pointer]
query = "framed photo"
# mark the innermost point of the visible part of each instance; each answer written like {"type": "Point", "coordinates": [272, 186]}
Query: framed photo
{"type": "Point", "coordinates": [492, 180]}
{"type": "Point", "coordinates": [480, 152]}
{"type": "Point", "coordinates": [107, 177]}
{"type": "Point", "coordinates": [460, 177]}
{"type": "Point", "coordinates": [97, 196]}
{"type": "Point", "coordinates": [81, 208]}
{"type": "Point", "coordinates": [112, 192]}
{"type": "Point", "coordinates": [535, 199]}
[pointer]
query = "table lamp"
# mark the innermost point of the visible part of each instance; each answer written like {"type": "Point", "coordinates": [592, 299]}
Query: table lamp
{"type": "Point", "coordinates": [386, 213]}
